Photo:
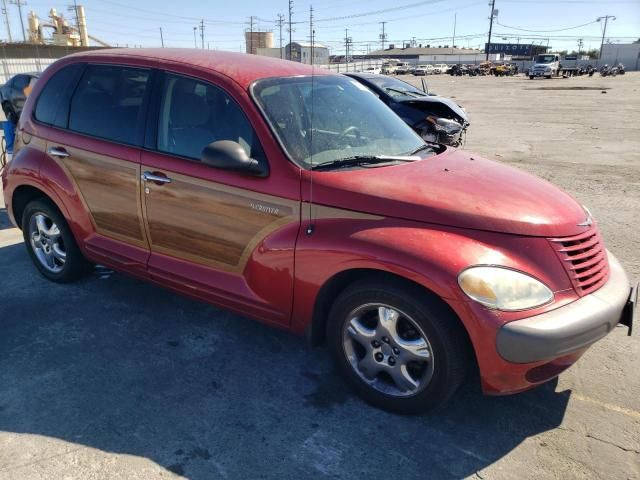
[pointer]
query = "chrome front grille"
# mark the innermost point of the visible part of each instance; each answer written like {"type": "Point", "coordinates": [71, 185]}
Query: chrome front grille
{"type": "Point", "coordinates": [585, 259]}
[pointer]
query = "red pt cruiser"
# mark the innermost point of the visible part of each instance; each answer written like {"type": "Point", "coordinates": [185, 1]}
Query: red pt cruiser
{"type": "Point", "coordinates": [296, 197]}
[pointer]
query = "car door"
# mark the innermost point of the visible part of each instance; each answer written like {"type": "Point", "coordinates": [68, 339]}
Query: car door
{"type": "Point", "coordinates": [100, 148]}
{"type": "Point", "coordinates": [225, 236]}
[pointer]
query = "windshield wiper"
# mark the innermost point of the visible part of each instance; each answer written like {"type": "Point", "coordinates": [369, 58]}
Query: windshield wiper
{"type": "Point", "coordinates": [421, 148]}
{"type": "Point", "coordinates": [403, 92]}
{"type": "Point", "coordinates": [363, 160]}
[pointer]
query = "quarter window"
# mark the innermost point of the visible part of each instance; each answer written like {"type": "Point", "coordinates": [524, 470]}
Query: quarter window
{"type": "Point", "coordinates": [53, 103]}
{"type": "Point", "coordinates": [194, 114]}
{"type": "Point", "coordinates": [108, 103]}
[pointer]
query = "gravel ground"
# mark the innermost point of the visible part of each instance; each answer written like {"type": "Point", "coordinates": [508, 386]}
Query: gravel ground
{"type": "Point", "coordinates": [114, 378]}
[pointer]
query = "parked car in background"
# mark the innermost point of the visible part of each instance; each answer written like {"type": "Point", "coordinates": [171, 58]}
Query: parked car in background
{"type": "Point", "coordinates": [416, 263]}
{"type": "Point", "coordinates": [441, 68]}
{"type": "Point", "coordinates": [422, 70]}
{"type": "Point", "coordinates": [375, 70]}
{"type": "Point", "coordinates": [436, 119]}
{"type": "Point", "coordinates": [14, 93]}
{"type": "Point", "coordinates": [402, 68]}
{"type": "Point", "coordinates": [458, 70]}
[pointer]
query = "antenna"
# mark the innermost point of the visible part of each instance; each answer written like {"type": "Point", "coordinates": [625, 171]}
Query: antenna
{"type": "Point", "coordinates": [311, 226]}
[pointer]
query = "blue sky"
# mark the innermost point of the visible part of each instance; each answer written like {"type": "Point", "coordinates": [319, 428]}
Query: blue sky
{"type": "Point", "coordinates": [122, 22]}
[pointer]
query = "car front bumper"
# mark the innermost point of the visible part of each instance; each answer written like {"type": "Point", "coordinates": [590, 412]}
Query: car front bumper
{"type": "Point", "coordinates": [572, 328]}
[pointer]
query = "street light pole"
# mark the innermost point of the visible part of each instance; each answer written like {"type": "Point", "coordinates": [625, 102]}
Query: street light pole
{"type": "Point", "coordinates": [604, 32]}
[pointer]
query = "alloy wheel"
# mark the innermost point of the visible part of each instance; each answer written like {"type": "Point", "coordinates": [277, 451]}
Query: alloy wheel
{"type": "Point", "coordinates": [47, 242]}
{"type": "Point", "coordinates": [388, 350]}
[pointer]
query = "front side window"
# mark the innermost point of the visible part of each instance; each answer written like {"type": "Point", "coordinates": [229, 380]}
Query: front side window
{"type": "Point", "coordinates": [108, 102]}
{"type": "Point", "coordinates": [194, 114]}
{"type": "Point", "coordinates": [326, 118]}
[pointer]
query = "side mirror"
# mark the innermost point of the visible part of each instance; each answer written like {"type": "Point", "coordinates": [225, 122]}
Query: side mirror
{"type": "Point", "coordinates": [229, 155]}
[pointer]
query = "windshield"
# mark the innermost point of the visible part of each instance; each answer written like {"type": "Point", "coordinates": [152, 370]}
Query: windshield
{"type": "Point", "coordinates": [545, 58]}
{"type": "Point", "coordinates": [396, 88]}
{"type": "Point", "coordinates": [337, 118]}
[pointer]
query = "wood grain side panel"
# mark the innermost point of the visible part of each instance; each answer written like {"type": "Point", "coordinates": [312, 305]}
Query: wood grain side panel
{"type": "Point", "coordinates": [212, 224]}
{"type": "Point", "coordinates": [110, 189]}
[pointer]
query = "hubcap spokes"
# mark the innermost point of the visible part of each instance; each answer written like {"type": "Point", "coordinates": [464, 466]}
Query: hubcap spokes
{"type": "Point", "coordinates": [47, 242]}
{"type": "Point", "coordinates": [388, 350]}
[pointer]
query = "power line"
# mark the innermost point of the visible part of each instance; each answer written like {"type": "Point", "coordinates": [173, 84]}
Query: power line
{"type": "Point", "coordinates": [378, 12]}
{"type": "Point", "coordinates": [547, 31]}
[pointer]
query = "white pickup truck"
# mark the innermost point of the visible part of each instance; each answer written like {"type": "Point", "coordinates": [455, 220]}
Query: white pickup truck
{"type": "Point", "coordinates": [546, 65]}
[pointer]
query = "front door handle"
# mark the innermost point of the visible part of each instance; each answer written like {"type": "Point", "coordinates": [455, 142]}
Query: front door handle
{"type": "Point", "coordinates": [155, 178]}
{"type": "Point", "coordinates": [57, 152]}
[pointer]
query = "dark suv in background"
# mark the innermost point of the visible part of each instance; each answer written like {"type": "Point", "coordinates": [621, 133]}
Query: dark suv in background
{"type": "Point", "coordinates": [14, 93]}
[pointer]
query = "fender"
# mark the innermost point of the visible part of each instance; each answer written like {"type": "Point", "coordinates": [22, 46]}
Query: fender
{"type": "Point", "coordinates": [31, 166]}
{"type": "Point", "coordinates": [431, 256]}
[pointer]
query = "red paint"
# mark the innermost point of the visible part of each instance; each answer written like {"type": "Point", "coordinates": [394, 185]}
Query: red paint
{"type": "Point", "coordinates": [440, 215]}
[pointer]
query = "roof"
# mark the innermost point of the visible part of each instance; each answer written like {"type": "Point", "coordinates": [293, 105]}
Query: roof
{"type": "Point", "coordinates": [241, 67]}
{"type": "Point", "coordinates": [417, 51]}
{"type": "Point", "coordinates": [309, 45]}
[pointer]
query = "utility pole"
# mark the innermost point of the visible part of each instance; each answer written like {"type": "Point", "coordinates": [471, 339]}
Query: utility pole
{"type": "Point", "coordinates": [453, 40]}
{"type": "Point", "coordinates": [491, 17]}
{"type": "Point", "coordinates": [311, 32]}
{"type": "Point", "coordinates": [250, 34]}
{"type": "Point", "coordinates": [5, 12]}
{"type": "Point", "coordinates": [202, 33]}
{"type": "Point", "coordinates": [280, 23]}
{"type": "Point", "coordinates": [383, 35]}
{"type": "Point", "coordinates": [290, 26]}
{"type": "Point", "coordinates": [161, 38]}
{"type": "Point", "coordinates": [604, 31]}
{"type": "Point", "coordinates": [195, 42]}
{"type": "Point", "coordinates": [19, 4]}
{"type": "Point", "coordinates": [347, 45]}
{"type": "Point", "coordinates": [579, 48]}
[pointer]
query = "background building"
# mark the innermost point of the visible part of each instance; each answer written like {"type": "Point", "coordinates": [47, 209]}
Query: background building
{"type": "Point", "coordinates": [256, 40]}
{"type": "Point", "coordinates": [626, 53]}
{"type": "Point", "coordinates": [298, 52]}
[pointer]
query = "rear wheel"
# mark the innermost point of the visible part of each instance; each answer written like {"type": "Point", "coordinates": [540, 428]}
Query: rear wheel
{"type": "Point", "coordinates": [50, 243]}
{"type": "Point", "coordinates": [401, 350]}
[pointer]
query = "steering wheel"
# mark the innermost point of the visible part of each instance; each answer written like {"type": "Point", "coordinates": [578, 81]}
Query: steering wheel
{"type": "Point", "coordinates": [352, 129]}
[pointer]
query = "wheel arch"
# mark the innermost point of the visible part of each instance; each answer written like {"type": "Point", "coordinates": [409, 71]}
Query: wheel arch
{"type": "Point", "coordinates": [316, 331]}
{"type": "Point", "coordinates": [23, 195]}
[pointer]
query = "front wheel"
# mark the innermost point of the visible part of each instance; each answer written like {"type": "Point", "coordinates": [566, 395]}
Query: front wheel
{"type": "Point", "coordinates": [50, 243]}
{"type": "Point", "coordinates": [400, 349]}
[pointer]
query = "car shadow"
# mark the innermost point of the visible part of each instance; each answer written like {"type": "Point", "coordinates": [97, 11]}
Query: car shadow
{"type": "Point", "coordinates": [122, 366]}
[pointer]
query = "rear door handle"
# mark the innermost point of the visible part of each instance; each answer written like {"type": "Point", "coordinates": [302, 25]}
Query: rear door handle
{"type": "Point", "coordinates": [58, 152]}
{"type": "Point", "coordinates": [152, 177]}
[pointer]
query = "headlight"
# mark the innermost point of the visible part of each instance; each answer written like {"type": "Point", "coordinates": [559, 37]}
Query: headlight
{"type": "Point", "coordinates": [503, 289]}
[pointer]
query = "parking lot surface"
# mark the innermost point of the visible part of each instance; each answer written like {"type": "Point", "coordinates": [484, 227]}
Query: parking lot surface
{"type": "Point", "coordinates": [114, 378]}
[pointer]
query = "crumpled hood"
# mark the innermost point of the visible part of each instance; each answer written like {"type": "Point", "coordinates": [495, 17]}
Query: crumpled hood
{"type": "Point", "coordinates": [455, 188]}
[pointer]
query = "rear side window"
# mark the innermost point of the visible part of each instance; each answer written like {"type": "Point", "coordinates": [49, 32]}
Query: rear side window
{"type": "Point", "coordinates": [108, 103]}
{"type": "Point", "coordinates": [53, 103]}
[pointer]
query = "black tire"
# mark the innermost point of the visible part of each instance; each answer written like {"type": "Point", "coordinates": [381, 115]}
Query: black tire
{"type": "Point", "coordinates": [75, 265]}
{"type": "Point", "coordinates": [445, 334]}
